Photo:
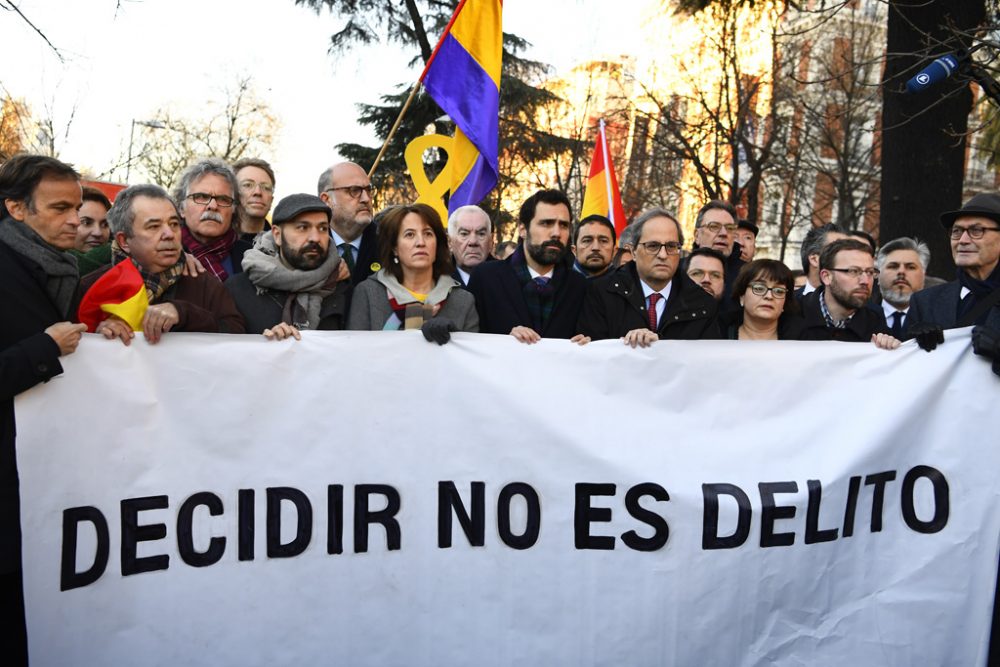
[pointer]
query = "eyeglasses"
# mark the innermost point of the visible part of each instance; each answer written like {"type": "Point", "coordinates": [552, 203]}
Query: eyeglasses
{"type": "Point", "coordinates": [250, 186]}
{"type": "Point", "coordinates": [760, 289]}
{"type": "Point", "coordinates": [975, 232]}
{"type": "Point", "coordinates": [856, 273]}
{"type": "Point", "coordinates": [355, 190]}
{"type": "Point", "coordinates": [716, 227]}
{"type": "Point", "coordinates": [225, 201]}
{"type": "Point", "coordinates": [653, 247]}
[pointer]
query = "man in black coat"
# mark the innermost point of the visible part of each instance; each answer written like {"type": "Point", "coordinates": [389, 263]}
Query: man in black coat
{"type": "Point", "coordinates": [837, 310]}
{"type": "Point", "coordinates": [649, 299]}
{"type": "Point", "coordinates": [534, 293]}
{"type": "Point", "coordinates": [39, 198]}
{"type": "Point", "coordinates": [347, 190]}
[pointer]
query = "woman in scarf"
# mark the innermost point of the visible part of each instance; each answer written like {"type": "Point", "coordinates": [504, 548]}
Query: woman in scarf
{"type": "Point", "coordinates": [414, 288]}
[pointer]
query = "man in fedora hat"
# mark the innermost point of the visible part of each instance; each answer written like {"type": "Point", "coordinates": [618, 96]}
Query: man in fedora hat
{"type": "Point", "coordinates": [974, 297]}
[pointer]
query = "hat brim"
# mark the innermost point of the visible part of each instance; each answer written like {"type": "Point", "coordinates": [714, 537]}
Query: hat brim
{"type": "Point", "coordinates": [948, 219]}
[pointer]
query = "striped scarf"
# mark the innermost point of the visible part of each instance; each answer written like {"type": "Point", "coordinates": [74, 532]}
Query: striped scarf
{"type": "Point", "coordinates": [213, 253]}
{"type": "Point", "coordinates": [156, 283]}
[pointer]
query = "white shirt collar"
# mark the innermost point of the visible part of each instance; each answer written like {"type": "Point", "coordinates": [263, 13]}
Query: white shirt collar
{"type": "Point", "coordinates": [536, 274]}
{"type": "Point", "coordinates": [889, 309]}
{"type": "Point", "coordinates": [808, 288]}
{"type": "Point", "coordinates": [337, 240]}
{"type": "Point", "coordinates": [647, 290]}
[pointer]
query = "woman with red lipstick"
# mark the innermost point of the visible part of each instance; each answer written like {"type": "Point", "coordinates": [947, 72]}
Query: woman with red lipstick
{"type": "Point", "coordinates": [414, 288]}
{"type": "Point", "coordinates": [763, 289]}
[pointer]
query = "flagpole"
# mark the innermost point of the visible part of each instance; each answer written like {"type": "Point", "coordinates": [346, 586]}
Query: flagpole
{"type": "Point", "coordinates": [607, 176]}
{"type": "Point", "coordinates": [395, 126]}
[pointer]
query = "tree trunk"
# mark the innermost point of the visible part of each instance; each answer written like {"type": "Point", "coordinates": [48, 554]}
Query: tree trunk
{"type": "Point", "coordinates": [923, 147]}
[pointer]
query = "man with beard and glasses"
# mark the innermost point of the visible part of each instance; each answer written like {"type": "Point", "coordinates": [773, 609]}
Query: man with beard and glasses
{"type": "Point", "coordinates": [291, 281]}
{"type": "Point", "coordinates": [207, 197]}
{"type": "Point", "coordinates": [648, 299]}
{"type": "Point", "coordinates": [593, 246]}
{"type": "Point", "coordinates": [836, 311]}
{"type": "Point", "coordinates": [534, 293]}
{"type": "Point", "coordinates": [902, 265]}
{"type": "Point", "coordinates": [146, 228]}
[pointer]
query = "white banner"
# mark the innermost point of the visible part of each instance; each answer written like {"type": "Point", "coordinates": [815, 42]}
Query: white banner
{"type": "Point", "coordinates": [372, 499]}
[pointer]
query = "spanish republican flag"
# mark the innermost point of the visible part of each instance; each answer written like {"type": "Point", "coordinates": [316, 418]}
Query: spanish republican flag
{"type": "Point", "coordinates": [602, 195]}
{"type": "Point", "coordinates": [463, 77]}
{"type": "Point", "coordinates": [120, 292]}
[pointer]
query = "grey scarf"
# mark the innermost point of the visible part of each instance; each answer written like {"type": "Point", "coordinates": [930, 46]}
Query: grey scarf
{"type": "Point", "coordinates": [402, 295]}
{"type": "Point", "coordinates": [306, 289]}
{"type": "Point", "coordinates": [61, 273]}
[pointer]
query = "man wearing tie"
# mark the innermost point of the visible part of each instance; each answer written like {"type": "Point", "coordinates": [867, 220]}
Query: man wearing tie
{"type": "Point", "coordinates": [346, 189]}
{"type": "Point", "coordinates": [902, 264]}
{"type": "Point", "coordinates": [649, 299]}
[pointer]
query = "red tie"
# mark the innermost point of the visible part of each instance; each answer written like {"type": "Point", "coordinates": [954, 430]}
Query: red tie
{"type": "Point", "coordinates": [651, 313]}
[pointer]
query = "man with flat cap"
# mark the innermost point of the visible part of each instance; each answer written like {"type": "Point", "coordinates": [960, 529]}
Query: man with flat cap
{"type": "Point", "coordinates": [974, 298]}
{"type": "Point", "coordinates": [291, 280]}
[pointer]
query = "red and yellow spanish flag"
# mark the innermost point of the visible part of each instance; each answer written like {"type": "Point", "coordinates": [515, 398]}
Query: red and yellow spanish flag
{"type": "Point", "coordinates": [602, 195]}
{"type": "Point", "coordinates": [120, 292]}
{"type": "Point", "coordinates": [463, 77]}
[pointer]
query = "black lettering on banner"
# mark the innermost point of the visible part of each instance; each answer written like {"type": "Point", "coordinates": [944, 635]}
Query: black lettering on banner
{"type": "Point", "coordinates": [813, 533]}
{"type": "Point", "coordinates": [661, 531]}
{"type": "Point", "coordinates": [710, 538]}
{"type": "Point", "coordinates": [770, 513]}
{"type": "Point", "coordinates": [473, 526]}
{"type": "Point", "coordinates": [69, 578]}
{"type": "Point", "coordinates": [335, 519]}
{"type": "Point", "coordinates": [245, 521]}
{"type": "Point", "coordinates": [133, 533]}
{"type": "Point", "coordinates": [584, 515]}
{"type": "Point", "coordinates": [942, 503]}
{"type": "Point", "coordinates": [533, 522]}
{"type": "Point", "coordinates": [303, 527]}
{"type": "Point", "coordinates": [185, 533]}
{"type": "Point", "coordinates": [878, 480]}
{"type": "Point", "coordinates": [853, 489]}
{"type": "Point", "coordinates": [386, 517]}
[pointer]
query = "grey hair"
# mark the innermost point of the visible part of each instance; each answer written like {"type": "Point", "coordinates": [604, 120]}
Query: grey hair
{"type": "Point", "coordinates": [904, 243]}
{"type": "Point", "coordinates": [121, 217]}
{"type": "Point", "coordinates": [633, 232]}
{"type": "Point", "coordinates": [462, 210]}
{"type": "Point", "coordinates": [713, 205]}
{"type": "Point", "coordinates": [813, 243]}
{"type": "Point", "coordinates": [324, 180]}
{"type": "Point", "coordinates": [201, 168]}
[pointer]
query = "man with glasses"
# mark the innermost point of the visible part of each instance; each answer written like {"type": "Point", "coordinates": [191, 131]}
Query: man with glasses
{"type": "Point", "coordinates": [206, 198]}
{"type": "Point", "coordinates": [470, 238]}
{"type": "Point", "coordinates": [836, 311]}
{"type": "Point", "coordinates": [346, 189]}
{"type": "Point", "coordinates": [974, 297]}
{"type": "Point", "coordinates": [648, 299]}
{"type": "Point", "coordinates": [715, 227]}
{"type": "Point", "coordinates": [707, 267]}
{"type": "Point", "coordinates": [255, 179]}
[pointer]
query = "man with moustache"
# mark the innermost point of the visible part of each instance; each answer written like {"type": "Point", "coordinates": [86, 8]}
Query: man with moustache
{"type": "Point", "coordinates": [147, 232]}
{"type": "Point", "coordinates": [207, 199]}
{"type": "Point", "coordinates": [534, 293]}
{"type": "Point", "coordinates": [836, 311]}
{"type": "Point", "coordinates": [346, 189]}
{"type": "Point", "coordinates": [648, 299]}
{"type": "Point", "coordinates": [593, 245]}
{"type": "Point", "coordinates": [291, 281]}
{"type": "Point", "coordinates": [470, 238]}
{"type": "Point", "coordinates": [902, 265]}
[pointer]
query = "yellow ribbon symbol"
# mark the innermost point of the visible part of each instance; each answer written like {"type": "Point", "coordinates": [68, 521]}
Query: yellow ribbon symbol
{"type": "Point", "coordinates": [430, 192]}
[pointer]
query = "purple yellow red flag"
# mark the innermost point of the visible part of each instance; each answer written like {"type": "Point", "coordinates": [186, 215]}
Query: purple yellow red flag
{"type": "Point", "coordinates": [121, 292]}
{"type": "Point", "coordinates": [602, 196]}
{"type": "Point", "coordinates": [463, 77]}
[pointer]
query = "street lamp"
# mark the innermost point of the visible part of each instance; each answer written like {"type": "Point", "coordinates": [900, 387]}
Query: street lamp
{"type": "Point", "coordinates": [155, 124]}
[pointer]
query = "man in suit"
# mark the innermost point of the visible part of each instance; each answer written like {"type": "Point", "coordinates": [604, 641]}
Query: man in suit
{"type": "Point", "coordinates": [648, 299]}
{"type": "Point", "coordinates": [346, 189]}
{"type": "Point", "coordinates": [902, 265]}
{"type": "Point", "coordinates": [39, 199]}
{"type": "Point", "coordinates": [470, 238]}
{"type": "Point", "coordinates": [974, 297]}
{"type": "Point", "coordinates": [534, 293]}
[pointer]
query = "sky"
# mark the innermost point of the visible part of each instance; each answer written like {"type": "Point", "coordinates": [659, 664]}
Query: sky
{"type": "Point", "coordinates": [124, 59]}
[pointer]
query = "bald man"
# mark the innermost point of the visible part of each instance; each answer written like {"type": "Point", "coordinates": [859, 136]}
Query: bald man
{"type": "Point", "coordinates": [346, 189]}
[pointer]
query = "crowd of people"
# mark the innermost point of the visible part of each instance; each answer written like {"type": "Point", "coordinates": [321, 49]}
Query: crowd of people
{"type": "Point", "coordinates": [212, 261]}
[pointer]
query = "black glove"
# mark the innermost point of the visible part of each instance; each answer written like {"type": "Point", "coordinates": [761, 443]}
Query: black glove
{"type": "Point", "coordinates": [986, 343]}
{"type": "Point", "coordinates": [436, 330]}
{"type": "Point", "coordinates": [928, 335]}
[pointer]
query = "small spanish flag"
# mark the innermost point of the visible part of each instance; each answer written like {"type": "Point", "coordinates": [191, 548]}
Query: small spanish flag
{"type": "Point", "coordinates": [602, 195]}
{"type": "Point", "coordinates": [120, 292]}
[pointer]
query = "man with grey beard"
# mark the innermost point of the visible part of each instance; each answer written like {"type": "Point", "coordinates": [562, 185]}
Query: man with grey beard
{"type": "Point", "coordinates": [902, 264]}
{"type": "Point", "coordinates": [534, 293]}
